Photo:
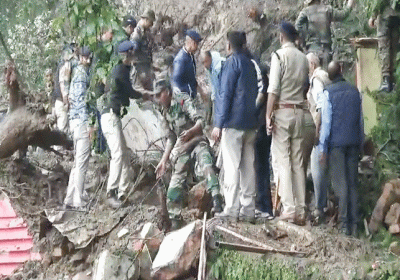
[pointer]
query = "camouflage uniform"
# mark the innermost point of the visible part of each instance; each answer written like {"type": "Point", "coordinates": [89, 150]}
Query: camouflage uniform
{"type": "Point", "coordinates": [141, 74]}
{"type": "Point", "coordinates": [388, 22]}
{"type": "Point", "coordinates": [314, 25]}
{"type": "Point", "coordinates": [180, 116]}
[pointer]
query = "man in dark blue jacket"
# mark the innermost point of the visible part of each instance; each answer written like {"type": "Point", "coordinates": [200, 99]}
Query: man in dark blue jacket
{"type": "Point", "coordinates": [236, 122]}
{"type": "Point", "coordinates": [341, 137]}
{"type": "Point", "coordinates": [184, 66]}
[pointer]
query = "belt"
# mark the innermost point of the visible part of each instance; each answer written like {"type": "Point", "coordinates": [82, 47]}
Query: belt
{"type": "Point", "coordinates": [290, 106]}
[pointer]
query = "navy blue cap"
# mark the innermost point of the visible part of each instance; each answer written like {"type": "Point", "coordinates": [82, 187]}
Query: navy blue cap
{"type": "Point", "coordinates": [194, 35]}
{"type": "Point", "coordinates": [288, 29]}
{"type": "Point", "coordinates": [129, 20]}
{"type": "Point", "coordinates": [85, 51]}
{"type": "Point", "coordinates": [127, 45]}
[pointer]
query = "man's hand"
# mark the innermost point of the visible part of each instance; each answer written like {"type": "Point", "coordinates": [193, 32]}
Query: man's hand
{"type": "Point", "coordinates": [323, 159]}
{"type": "Point", "coordinates": [216, 134]}
{"type": "Point", "coordinates": [270, 126]}
{"type": "Point", "coordinates": [92, 132]}
{"type": "Point", "coordinates": [186, 135]}
{"type": "Point", "coordinates": [161, 169]}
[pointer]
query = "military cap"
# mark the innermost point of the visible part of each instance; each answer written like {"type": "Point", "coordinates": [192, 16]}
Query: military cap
{"type": "Point", "coordinates": [149, 14]}
{"type": "Point", "coordinates": [127, 45]}
{"type": "Point", "coordinates": [160, 85]}
{"type": "Point", "coordinates": [288, 29]}
{"type": "Point", "coordinates": [85, 51]}
{"type": "Point", "coordinates": [194, 35]}
{"type": "Point", "coordinates": [129, 20]}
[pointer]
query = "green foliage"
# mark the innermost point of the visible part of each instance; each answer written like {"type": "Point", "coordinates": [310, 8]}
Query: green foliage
{"type": "Point", "coordinates": [231, 265]}
{"type": "Point", "coordinates": [375, 7]}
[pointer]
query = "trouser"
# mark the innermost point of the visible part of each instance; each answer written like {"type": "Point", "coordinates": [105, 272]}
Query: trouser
{"type": "Point", "coordinates": [343, 164]}
{"type": "Point", "coordinates": [309, 136]}
{"type": "Point", "coordinates": [320, 176]}
{"type": "Point", "coordinates": [119, 178]}
{"type": "Point", "coordinates": [288, 140]}
{"type": "Point", "coordinates": [203, 162]}
{"type": "Point", "coordinates": [388, 42]}
{"type": "Point", "coordinates": [80, 132]}
{"type": "Point", "coordinates": [101, 144]}
{"type": "Point", "coordinates": [239, 172]}
{"type": "Point", "coordinates": [62, 115]}
{"type": "Point", "coordinates": [262, 151]}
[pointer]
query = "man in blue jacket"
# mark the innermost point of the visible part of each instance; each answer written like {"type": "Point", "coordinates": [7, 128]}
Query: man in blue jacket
{"type": "Point", "coordinates": [184, 66]}
{"type": "Point", "coordinates": [341, 137]}
{"type": "Point", "coordinates": [235, 124]}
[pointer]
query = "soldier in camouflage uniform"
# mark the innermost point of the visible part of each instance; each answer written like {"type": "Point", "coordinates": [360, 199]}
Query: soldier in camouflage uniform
{"type": "Point", "coordinates": [142, 74]}
{"type": "Point", "coordinates": [314, 26]}
{"type": "Point", "coordinates": [387, 20]}
{"type": "Point", "coordinates": [186, 145]}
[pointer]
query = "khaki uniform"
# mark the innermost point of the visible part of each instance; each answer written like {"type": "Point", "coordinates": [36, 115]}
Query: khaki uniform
{"type": "Point", "coordinates": [314, 24]}
{"type": "Point", "coordinates": [288, 80]}
{"type": "Point", "coordinates": [180, 116]}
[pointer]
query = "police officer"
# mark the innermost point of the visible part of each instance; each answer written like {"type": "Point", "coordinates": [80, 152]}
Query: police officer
{"type": "Point", "coordinates": [287, 84]}
{"type": "Point", "coordinates": [186, 143]}
{"type": "Point", "coordinates": [314, 25]}
{"type": "Point", "coordinates": [387, 20]}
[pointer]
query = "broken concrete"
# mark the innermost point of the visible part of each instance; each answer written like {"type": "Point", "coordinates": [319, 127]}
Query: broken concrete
{"type": "Point", "coordinates": [153, 237]}
{"type": "Point", "coordinates": [178, 252]}
{"type": "Point", "coordinates": [111, 267]}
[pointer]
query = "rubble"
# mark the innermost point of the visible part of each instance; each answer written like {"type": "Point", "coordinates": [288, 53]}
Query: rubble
{"type": "Point", "coordinates": [178, 252]}
{"type": "Point", "coordinates": [111, 267]}
{"type": "Point", "coordinates": [199, 198]}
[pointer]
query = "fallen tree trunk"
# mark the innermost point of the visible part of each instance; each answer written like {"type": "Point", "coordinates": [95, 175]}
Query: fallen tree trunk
{"type": "Point", "coordinates": [21, 129]}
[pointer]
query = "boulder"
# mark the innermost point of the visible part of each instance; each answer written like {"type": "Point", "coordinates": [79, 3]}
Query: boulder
{"type": "Point", "coordinates": [393, 215]}
{"type": "Point", "coordinates": [153, 237]}
{"type": "Point", "coordinates": [390, 195]}
{"type": "Point", "coordinates": [111, 267]}
{"type": "Point", "coordinates": [178, 252]}
{"type": "Point", "coordinates": [199, 198]}
{"type": "Point", "coordinates": [394, 248]}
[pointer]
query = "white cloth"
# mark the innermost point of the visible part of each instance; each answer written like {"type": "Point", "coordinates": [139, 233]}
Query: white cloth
{"type": "Point", "coordinates": [119, 164]}
{"type": "Point", "coordinates": [80, 132]}
{"type": "Point", "coordinates": [239, 177]}
{"type": "Point", "coordinates": [62, 115]}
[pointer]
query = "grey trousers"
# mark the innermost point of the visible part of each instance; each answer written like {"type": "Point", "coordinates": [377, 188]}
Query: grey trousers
{"type": "Point", "coordinates": [343, 164]}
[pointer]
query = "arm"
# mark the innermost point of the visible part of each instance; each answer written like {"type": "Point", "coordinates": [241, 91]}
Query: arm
{"type": "Point", "coordinates": [224, 98]}
{"type": "Point", "coordinates": [339, 15]}
{"type": "Point", "coordinates": [273, 90]}
{"type": "Point", "coordinates": [326, 121]}
{"type": "Point", "coordinates": [272, 98]}
{"type": "Point", "coordinates": [123, 82]}
{"type": "Point", "coordinates": [189, 108]}
{"type": "Point", "coordinates": [162, 165]}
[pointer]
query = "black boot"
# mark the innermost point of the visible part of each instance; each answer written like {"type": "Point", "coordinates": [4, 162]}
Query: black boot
{"type": "Point", "coordinates": [217, 204]}
{"type": "Point", "coordinates": [112, 199]}
{"type": "Point", "coordinates": [386, 84]}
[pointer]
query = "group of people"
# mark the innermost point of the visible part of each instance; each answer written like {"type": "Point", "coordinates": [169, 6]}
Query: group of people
{"type": "Point", "coordinates": [296, 112]}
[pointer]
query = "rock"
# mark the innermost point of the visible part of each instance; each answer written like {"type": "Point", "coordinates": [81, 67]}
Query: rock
{"type": "Point", "coordinates": [151, 232]}
{"type": "Point", "coordinates": [178, 252]}
{"type": "Point", "coordinates": [122, 232]}
{"type": "Point", "coordinates": [57, 253]}
{"type": "Point", "coordinates": [394, 229]}
{"type": "Point", "coordinates": [199, 198]}
{"type": "Point", "coordinates": [82, 276]}
{"type": "Point", "coordinates": [145, 264]}
{"type": "Point", "coordinates": [390, 194]}
{"type": "Point", "coordinates": [393, 215]}
{"type": "Point", "coordinates": [394, 248]}
{"type": "Point", "coordinates": [112, 267]}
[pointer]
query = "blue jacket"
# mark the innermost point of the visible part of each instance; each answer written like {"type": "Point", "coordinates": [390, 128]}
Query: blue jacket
{"type": "Point", "coordinates": [342, 121]}
{"type": "Point", "coordinates": [184, 73]}
{"type": "Point", "coordinates": [235, 104]}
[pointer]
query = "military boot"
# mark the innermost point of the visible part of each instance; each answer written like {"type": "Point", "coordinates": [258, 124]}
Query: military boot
{"type": "Point", "coordinates": [112, 199]}
{"type": "Point", "coordinates": [386, 84]}
{"type": "Point", "coordinates": [217, 204]}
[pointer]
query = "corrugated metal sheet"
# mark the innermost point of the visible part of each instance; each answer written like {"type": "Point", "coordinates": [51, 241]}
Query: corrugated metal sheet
{"type": "Point", "coordinates": [15, 241]}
